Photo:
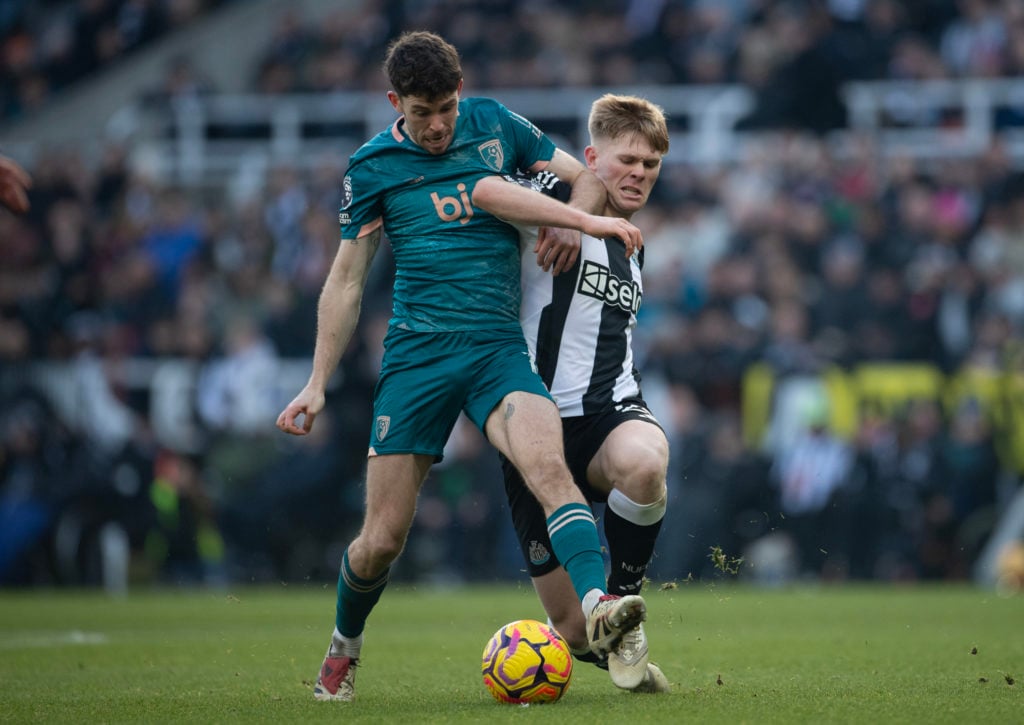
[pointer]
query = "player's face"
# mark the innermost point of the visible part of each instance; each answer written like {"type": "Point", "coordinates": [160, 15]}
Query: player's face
{"type": "Point", "coordinates": [628, 166]}
{"type": "Point", "coordinates": [430, 124]}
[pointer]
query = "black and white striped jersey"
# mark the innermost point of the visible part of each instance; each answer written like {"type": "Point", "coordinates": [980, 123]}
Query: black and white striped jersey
{"type": "Point", "coordinates": [579, 324]}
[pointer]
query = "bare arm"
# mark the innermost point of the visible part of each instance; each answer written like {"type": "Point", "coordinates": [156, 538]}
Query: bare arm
{"type": "Point", "coordinates": [557, 249]}
{"type": "Point", "coordinates": [337, 315]}
{"type": "Point", "coordinates": [517, 204]}
{"type": "Point", "coordinates": [588, 191]}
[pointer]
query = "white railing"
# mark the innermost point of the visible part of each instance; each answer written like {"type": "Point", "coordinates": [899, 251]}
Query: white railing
{"type": "Point", "coordinates": [225, 138]}
{"type": "Point", "coordinates": [216, 138]}
{"type": "Point", "coordinates": [940, 119]}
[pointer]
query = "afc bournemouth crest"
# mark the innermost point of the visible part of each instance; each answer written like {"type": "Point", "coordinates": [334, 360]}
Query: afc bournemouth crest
{"type": "Point", "coordinates": [493, 154]}
{"type": "Point", "coordinates": [383, 423]}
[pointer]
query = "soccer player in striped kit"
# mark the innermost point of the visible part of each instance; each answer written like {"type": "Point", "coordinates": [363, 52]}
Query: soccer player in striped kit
{"type": "Point", "coordinates": [579, 325]}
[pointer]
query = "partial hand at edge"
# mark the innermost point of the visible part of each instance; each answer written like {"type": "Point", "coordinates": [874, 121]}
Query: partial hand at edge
{"type": "Point", "coordinates": [14, 185]}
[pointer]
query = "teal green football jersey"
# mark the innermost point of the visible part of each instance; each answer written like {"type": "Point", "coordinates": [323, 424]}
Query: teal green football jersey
{"type": "Point", "coordinates": [457, 267]}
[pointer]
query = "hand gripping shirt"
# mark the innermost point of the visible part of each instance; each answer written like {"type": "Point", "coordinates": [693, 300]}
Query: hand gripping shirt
{"type": "Point", "coordinates": [456, 267]}
{"type": "Point", "coordinates": [579, 324]}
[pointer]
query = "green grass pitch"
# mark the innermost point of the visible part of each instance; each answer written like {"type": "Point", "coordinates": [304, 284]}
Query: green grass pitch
{"type": "Point", "coordinates": [844, 654]}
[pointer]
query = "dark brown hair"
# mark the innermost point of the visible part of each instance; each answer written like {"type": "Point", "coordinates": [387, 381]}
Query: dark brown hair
{"type": "Point", "coordinates": [423, 64]}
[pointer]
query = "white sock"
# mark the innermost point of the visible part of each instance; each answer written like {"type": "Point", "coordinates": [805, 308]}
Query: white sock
{"type": "Point", "coordinates": [590, 600]}
{"type": "Point", "coordinates": [342, 646]}
{"type": "Point", "coordinates": [637, 513]}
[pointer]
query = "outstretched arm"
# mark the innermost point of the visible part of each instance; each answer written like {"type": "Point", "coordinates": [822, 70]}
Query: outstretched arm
{"type": "Point", "coordinates": [337, 315]}
{"type": "Point", "coordinates": [519, 205]}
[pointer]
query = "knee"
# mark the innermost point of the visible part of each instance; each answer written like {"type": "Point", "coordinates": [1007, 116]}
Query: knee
{"type": "Point", "coordinates": [382, 548]}
{"type": "Point", "coordinates": [645, 483]}
{"type": "Point", "coordinates": [652, 487]}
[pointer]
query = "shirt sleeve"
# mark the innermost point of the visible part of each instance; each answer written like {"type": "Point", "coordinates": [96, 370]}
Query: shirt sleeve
{"type": "Point", "coordinates": [530, 143]}
{"type": "Point", "coordinates": [361, 211]}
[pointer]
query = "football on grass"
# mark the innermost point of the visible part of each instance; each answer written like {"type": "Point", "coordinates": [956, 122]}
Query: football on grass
{"type": "Point", "coordinates": [526, 661]}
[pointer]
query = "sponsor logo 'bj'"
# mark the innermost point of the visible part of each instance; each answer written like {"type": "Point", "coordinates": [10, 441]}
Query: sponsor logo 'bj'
{"type": "Point", "coordinates": [453, 208]}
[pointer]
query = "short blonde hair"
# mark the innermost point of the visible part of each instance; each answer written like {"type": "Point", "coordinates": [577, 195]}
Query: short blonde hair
{"type": "Point", "coordinates": [613, 116]}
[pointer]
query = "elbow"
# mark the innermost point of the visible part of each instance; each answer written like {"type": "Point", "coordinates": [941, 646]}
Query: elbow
{"type": "Point", "coordinates": [486, 191]}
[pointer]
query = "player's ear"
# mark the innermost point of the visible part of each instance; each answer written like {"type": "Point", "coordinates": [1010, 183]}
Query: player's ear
{"type": "Point", "coordinates": [590, 155]}
{"type": "Point", "coordinates": [396, 101]}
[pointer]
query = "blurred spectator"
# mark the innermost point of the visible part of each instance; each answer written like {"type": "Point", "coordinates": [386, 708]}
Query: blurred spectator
{"type": "Point", "coordinates": [182, 87]}
{"type": "Point", "coordinates": [234, 391]}
{"type": "Point", "coordinates": [33, 452]}
{"type": "Point", "coordinates": [840, 309]}
{"type": "Point", "coordinates": [718, 494]}
{"type": "Point", "coordinates": [974, 43]}
{"type": "Point", "coordinates": [811, 472]}
{"type": "Point", "coordinates": [183, 544]}
{"type": "Point", "coordinates": [94, 408]}
{"type": "Point", "coordinates": [788, 349]}
{"type": "Point", "coordinates": [969, 457]}
{"type": "Point", "coordinates": [801, 91]}
{"type": "Point", "coordinates": [913, 510]}
{"type": "Point", "coordinates": [272, 531]}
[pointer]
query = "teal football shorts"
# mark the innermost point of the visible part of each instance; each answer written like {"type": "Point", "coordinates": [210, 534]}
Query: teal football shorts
{"type": "Point", "coordinates": [428, 378]}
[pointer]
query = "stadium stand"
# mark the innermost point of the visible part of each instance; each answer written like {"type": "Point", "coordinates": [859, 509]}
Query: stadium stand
{"type": "Point", "coordinates": [834, 266]}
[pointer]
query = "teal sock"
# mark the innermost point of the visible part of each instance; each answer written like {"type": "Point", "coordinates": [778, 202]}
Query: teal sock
{"type": "Point", "coordinates": [356, 598]}
{"type": "Point", "coordinates": [576, 544]}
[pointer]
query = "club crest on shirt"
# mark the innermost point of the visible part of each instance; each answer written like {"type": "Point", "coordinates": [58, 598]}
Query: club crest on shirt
{"type": "Point", "coordinates": [492, 154]}
{"type": "Point", "coordinates": [382, 426]}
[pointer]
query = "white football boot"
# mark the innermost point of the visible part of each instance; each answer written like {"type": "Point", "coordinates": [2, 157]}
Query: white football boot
{"type": "Point", "coordinates": [610, 629]}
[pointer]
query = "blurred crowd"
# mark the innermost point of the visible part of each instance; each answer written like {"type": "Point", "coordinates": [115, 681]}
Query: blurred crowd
{"type": "Point", "coordinates": [834, 344]}
{"type": "Point", "coordinates": [794, 54]}
{"type": "Point", "coordinates": [49, 45]}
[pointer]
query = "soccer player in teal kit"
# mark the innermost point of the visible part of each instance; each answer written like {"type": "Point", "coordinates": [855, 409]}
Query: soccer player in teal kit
{"type": "Point", "coordinates": [454, 342]}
